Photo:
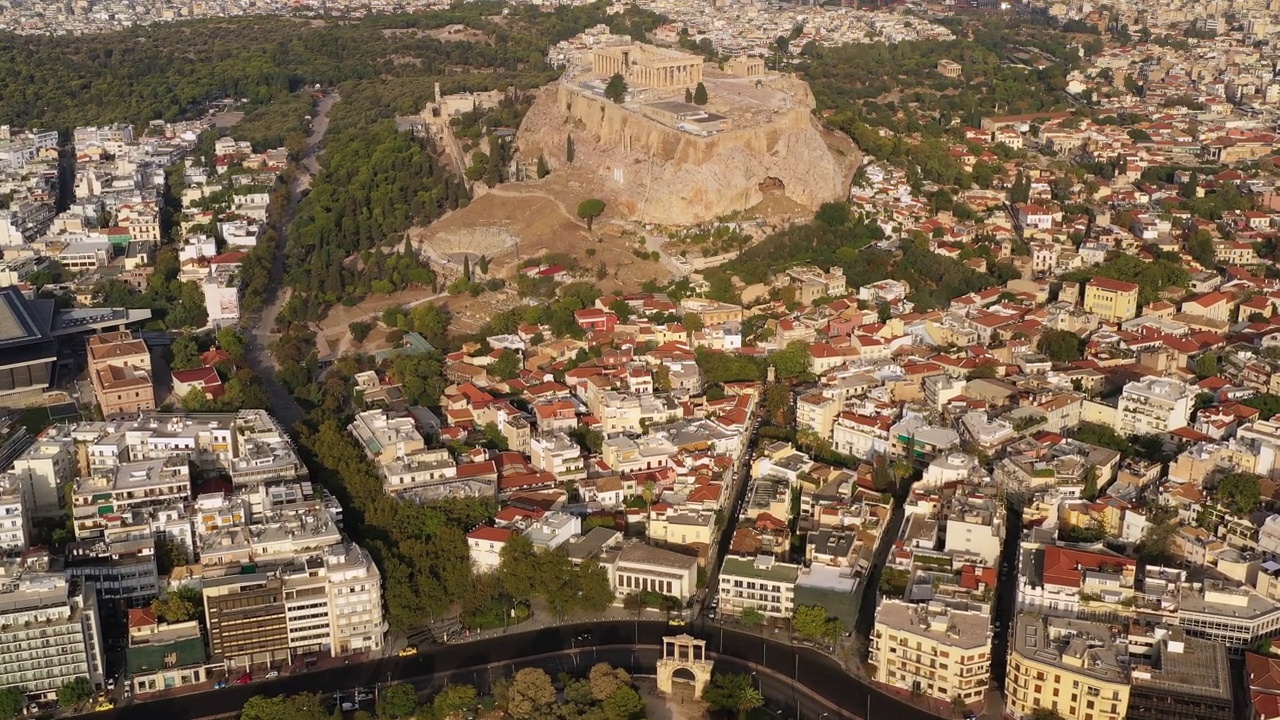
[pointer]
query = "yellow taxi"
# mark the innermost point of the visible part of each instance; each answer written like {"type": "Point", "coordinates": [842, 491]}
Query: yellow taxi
{"type": "Point", "coordinates": [409, 651]}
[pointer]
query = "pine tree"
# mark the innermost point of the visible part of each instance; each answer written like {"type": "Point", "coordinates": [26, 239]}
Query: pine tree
{"type": "Point", "coordinates": [568, 150]}
{"type": "Point", "coordinates": [700, 95]}
{"type": "Point", "coordinates": [688, 95]}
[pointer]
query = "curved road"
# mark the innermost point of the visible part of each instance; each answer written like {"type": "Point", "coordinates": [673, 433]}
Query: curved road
{"type": "Point", "coordinates": [781, 669]}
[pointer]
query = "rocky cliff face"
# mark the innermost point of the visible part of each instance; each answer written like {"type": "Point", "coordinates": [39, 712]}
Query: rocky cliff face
{"type": "Point", "coordinates": [654, 173]}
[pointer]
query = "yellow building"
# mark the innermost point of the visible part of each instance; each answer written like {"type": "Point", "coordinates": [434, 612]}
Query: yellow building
{"type": "Point", "coordinates": [932, 650]}
{"type": "Point", "coordinates": [1111, 300]}
{"type": "Point", "coordinates": [1074, 667]}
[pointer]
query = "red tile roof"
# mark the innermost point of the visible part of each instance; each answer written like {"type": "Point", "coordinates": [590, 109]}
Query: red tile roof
{"type": "Point", "coordinates": [1063, 566]}
{"type": "Point", "coordinates": [492, 534]}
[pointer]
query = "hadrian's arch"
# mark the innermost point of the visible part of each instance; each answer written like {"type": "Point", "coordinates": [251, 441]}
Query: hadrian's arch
{"type": "Point", "coordinates": [687, 656]}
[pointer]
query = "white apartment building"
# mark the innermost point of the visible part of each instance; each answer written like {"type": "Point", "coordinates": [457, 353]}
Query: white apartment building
{"type": "Point", "coordinates": [1153, 405]}
{"type": "Point", "coordinates": [948, 468]}
{"type": "Point", "coordinates": [15, 522]}
{"type": "Point", "coordinates": [100, 500]}
{"type": "Point", "coordinates": [862, 436]}
{"type": "Point", "coordinates": [553, 530]}
{"type": "Point", "coordinates": [221, 298]}
{"type": "Point", "coordinates": [385, 437]}
{"type": "Point", "coordinates": [50, 632]}
{"type": "Point", "coordinates": [557, 454]}
{"type": "Point", "coordinates": [932, 650]}
{"type": "Point", "coordinates": [334, 600]}
{"type": "Point", "coordinates": [764, 583]}
{"type": "Point", "coordinates": [45, 469]}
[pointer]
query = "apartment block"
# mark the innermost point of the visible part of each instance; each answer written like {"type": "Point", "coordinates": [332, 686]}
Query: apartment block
{"type": "Point", "coordinates": [45, 469]}
{"type": "Point", "coordinates": [123, 575]}
{"type": "Point", "coordinates": [245, 618]}
{"type": "Point", "coordinates": [932, 650]}
{"type": "Point", "coordinates": [1113, 301]}
{"type": "Point", "coordinates": [761, 583]}
{"type": "Point", "coordinates": [103, 501]}
{"type": "Point", "coordinates": [15, 518]}
{"type": "Point", "coordinates": [1077, 668]}
{"type": "Point", "coordinates": [557, 454]}
{"type": "Point", "coordinates": [163, 655]}
{"type": "Point", "coordinates": [1176, 677]}
{"type": "Point", "coordinates": [1153, 405]}
{"type": "Point", "coordinates": [120, 371]}
{"type": "Point", "coordinates": [49, 629]}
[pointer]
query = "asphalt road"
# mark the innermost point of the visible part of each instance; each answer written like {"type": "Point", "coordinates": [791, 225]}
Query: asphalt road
{"type": "Point", "coordinates": [783, 671]}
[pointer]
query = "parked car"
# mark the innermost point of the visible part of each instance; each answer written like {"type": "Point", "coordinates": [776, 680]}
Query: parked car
{"type": "Point", "coordinates": [104, 705]}
{"type": "Point", "coordinates": [244, 679]}
{"type": "Point", "coordinates": [273, 674]}
{"type": "Point", "coordinates": [408, 652]}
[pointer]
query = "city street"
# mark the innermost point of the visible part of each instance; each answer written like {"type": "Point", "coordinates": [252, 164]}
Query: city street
{"type": "Point", "coordinates": [782, 670]}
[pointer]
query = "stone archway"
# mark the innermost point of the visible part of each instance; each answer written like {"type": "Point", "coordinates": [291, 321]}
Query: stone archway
{"type": "Point", "coordinates": [686, 654]}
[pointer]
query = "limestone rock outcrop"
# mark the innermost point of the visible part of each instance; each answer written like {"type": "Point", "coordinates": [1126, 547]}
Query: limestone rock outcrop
{"type": "Point", "coordinates": [651, 172]}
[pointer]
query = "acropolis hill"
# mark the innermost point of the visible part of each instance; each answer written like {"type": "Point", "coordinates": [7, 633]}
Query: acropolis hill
{"type": "Point", "coordinates": [659, 159]}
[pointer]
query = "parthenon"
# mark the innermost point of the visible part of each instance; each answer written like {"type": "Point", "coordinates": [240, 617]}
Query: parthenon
{"type": "Point", "coordinates": [647, 66]}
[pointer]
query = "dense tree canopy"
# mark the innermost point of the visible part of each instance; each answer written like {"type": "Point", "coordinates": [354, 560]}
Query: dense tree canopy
{"type": "Point", "coordinates": [167, 71]}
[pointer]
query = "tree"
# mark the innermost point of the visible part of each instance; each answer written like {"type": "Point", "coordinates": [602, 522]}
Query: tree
{"type": "Point", "coordinates": [359, 330]}
{"type": "Point", "coordinates": [1061, 346]}
{"type": "Point", "coordinates": [568, 150]}
{"type": "Point", "coordinates": [623, 704]}
{"type": "Point", "coordinates": [1042, 713]}
{"type": "Point", "coordinates": [233, 342]}
{"type": "Point", "coordinates": [507, 366]}
{"type": "Point", "coordinates": [12, 702]}
{"type": "Point", "coordinates": [734, 692]}
{"type": "Point", "coordinates": [1090, 490]}
{"type": "Point", "coordinates": [700, 94]}
{"type": "Point", "coordinates": [530, 693]}
{"type": "Point", "coordinates": [431, 321]}
{"type": "Point", "coordinates": [186, 352]}
{"type": "Point", "coordinates": [1206, 365]}
{"type": "Point", "coordinates": [833, 214]}
{"type": "Point", "coordinates": [792, 361]}
{"type": "Point", "coordinates": [74, 692]}
{"type": "Point", "coordinates": [616, 90]}
{"type": "Point", "coordinates": [958, 706]}
{"type": "Point", "coordinates": [179, 605]}
{"type": "Point", "coordinates": [543, 170]}
{"type": "Point", "coordinates": [692, 321]}
{"type": "Point", "coordinates": [751, 617]}
{"type": "Point", "coordinates": [1200, 247]}
{"type": "Point", "coordinates": [605, 680]}
{"type": "Point", "coordinates": [688, 95]}
{"type": "Point", "coordinates": [813, 621]}
{"type": "Point", "coordinates": [453, 699]}
{"type": "Point", "coordinates": [590, 209]}
{"type": "Point", "coordinates": [1240, 492]}
{"type": "Point", "coordinates": [399, 700]}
